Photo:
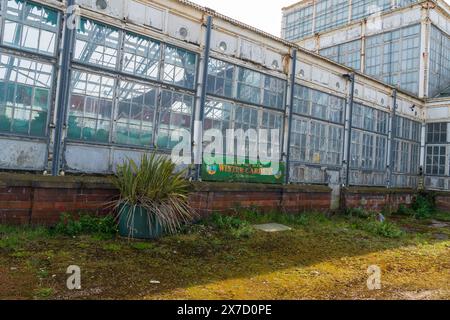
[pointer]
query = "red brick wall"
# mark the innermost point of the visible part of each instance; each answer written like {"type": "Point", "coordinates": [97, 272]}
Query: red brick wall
{"type": "Point", "coordinates": [443, 201]}
{"type": "Point", "coordinates": [34, 199]}
{"type": "Point", "coordinates": [41, 200]}
{"type": "Point", "coordinates": [376, 199]}
{"type": "Point", "coordinates": [224, 197]}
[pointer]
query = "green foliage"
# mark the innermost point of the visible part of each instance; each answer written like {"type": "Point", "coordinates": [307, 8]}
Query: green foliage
{"type": "Point", "coordinates": [368, 221]}
{"type": "Point", "coordinates": [235, 226]}
{"type": "Point", "coordinates": [424, 205]}
{"type": "Point", "coordinates": [11, 238]}
{"type": "Point", "coordinates": [255, 216]}
{"type": "Point", "coordinates": [113, 247]}
{"type": "Point", "coordinates": [403, 210]}
{"type": "Point", "coordinates": [142, 246]}
{"type": "Point", "coordinates": [44, 293]}
{"type": "Point", "coordinates": [70, 225]}
{"type": "Point", "coordinates": [156, 186]}
{"type": "Point", "coordinates": [384, 229]}
{"type": "Point", "coordinates": [359, 213]}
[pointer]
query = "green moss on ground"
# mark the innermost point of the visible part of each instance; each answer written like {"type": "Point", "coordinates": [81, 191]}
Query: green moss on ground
{"type": "Point", "coordinates": [321, 258]}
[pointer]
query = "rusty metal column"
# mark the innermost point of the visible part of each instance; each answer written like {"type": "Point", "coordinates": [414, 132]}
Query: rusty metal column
{"type": "Point", "coordinates": [391, 165]}
{"type": "Point", "coordinates": [290, 114]}
{"type": "Point", "coordinates": [201, 116]}
{"type": "Point", "coordinates": [351, 78]}
{"type": "Point", "coordinates": [64, 87]}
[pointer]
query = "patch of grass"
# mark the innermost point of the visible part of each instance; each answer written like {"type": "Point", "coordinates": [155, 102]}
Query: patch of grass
{"type": "Point", "coordinates": [240, 224]}
{"type": "Point", "coordinates": [75, 225]}
{"type": "Point", "coordinates": [321, 258]}
{"type": "Point", "coordinates": [442, 216]}
{"type": "Point", "coordinates": [424, 205]}
{"type": "Point", "coordinates": [44, 293]}
{"type": "Point", "coordinates": [42, 273]}
{"type": "Point", "coordinates": [384, 229]}
{"type": "Point", "coordinates": [405, 211]}
{"type": "Point", "coordinates": [231, 225]}
{"type": "Point", "coordinates": [113, 247]}
{"type": "Point", "coordinates": [255, 217]}
{"type": "Point", "coordinates": [12, 238]}
{"type": "Point", "coordinates": [21, 254]}
{"type": "Point", "coordinates": [359, 213]}
{"type": "Point", "coordinates": [142, 246]}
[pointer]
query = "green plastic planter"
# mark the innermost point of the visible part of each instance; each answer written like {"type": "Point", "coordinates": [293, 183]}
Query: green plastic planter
{"type": "Point", "coordinates": [139, 225]}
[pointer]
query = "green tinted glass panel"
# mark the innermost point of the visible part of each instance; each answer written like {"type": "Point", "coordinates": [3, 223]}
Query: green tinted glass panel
{"type": "Point", "coordinates": [41, 99]}
{"type": "Point", "coordinates": [10, 94]}
{"type": "Point", "coordinates": [2, 93]}
{"type": "Point", "coordinates": [23, 96]}
{"type": "Point", "coordinates": [38, 122]}
{"type": "Point", "coordinates": [102, 134]}
{"type": "Point", "coordinates": [5, 119]}
{"type": "Point", "coordinates": [146, 137]}
{"type": "Point", "coordinates": [21, 120]}
{"type": "Point", "coordinates": [75, 126]}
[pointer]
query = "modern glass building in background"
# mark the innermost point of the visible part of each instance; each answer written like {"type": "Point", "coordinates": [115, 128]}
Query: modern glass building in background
{"type": "Point", "coordinates": [402, 43]}
{"type": "Point", "coordinates": [128, 73]}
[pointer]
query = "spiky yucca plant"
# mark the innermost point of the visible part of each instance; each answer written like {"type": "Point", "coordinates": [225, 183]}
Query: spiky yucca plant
{"type": "Point", "coordinates": [155, 186]}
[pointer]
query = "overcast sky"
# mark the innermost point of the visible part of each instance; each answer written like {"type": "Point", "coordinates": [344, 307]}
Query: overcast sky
{"type": "Point", "coordinates": [262, 14]}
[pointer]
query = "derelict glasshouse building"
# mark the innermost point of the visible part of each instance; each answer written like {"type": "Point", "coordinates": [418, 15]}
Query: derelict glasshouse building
{"type": "Point", "coordinates": [86, 84]}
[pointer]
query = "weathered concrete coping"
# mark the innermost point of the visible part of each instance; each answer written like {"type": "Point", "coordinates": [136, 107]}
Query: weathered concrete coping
{"type": "Point", "coordinates": [377, 190]}
{"type": "Point", "coordinates": [66, 182]}
{"type": "Point", "coordinates": [104, 182]}
{"type": "Point", "coordinates": [250, 187]}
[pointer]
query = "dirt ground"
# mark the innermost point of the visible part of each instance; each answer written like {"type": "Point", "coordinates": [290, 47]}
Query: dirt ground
{"type": "Point", "coordinates": [322, 259]}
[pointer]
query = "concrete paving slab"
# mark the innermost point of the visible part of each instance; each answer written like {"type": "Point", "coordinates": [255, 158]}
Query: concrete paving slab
{"type": "Point", "coordinates": [272, 227]}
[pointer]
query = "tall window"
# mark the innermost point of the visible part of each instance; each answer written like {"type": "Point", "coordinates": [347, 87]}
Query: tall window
{"type": "Point", "coordinates": [246, 118]}
{"type": "Point", "coordinates": [272, 121]}
{"type": "Point", "coordinates": [437, 133]}
{"type": "Point", "coordinates": [25, 95]}
{"type": "Point", "coordinates": [299, 136]}
{"type": "Point", "coordinates": [318, 104]}
{"type": "Point", "coordinates": [370, 119]}
{"type": "Point", "coordinates": [298, 23]}
{"type": "Point", "coordinates": [141, 56]}
{"type": "Point", "coordinates": [394, 57]}
{"type": "Point", "coordinates": [30, 26]}
{"type": "Point", "coordinates": [249, 86]}
{"type": "Point", "coordinates": [91, 105]}
{"type": "Point", "coordinates": [220, 78]}
{"type": "Point", "coordinates": [331, 13]}
{"type": "Point", "coordinates": [435, 164]}
{"type": "Point", "coordinates": [175, 113]}
{"type": "Point", "coordinates": [367, 151]}
{"type": "Point", "coordinates": [136, 114]}
{"type": "Point", "coordinates": [318, 143]}
{"type": "Point", "coordinates": [274, 90]}
{"type": "Point", "coordinates": [439, 61]}
{"type": "Point", "coordinates": [365, 8]}
{"type": "Point", "coordinates": [348, 54]}
{"type": "Point", "coordinates": [179, 67]}
{"type": "Point", "coordinates": [355, 149]}
{"type": "Point", "coordinates": [380, 153]}
{"type": "Point", "coordinates": [97, 44]}
{"type": "Point", "coordinates": [335, 143]}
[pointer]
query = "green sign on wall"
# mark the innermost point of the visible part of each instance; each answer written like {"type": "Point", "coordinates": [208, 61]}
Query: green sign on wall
{"type": "Point", "coordinates": [249, 173]}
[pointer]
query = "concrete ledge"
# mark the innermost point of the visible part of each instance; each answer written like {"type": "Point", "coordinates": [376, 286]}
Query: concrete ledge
{"type": "Point", "coordinates": [250, 187]}
{"type": "Point", "coordinates": [377, 190]}
{"type": "Point", "coordinates": [49, 182]}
